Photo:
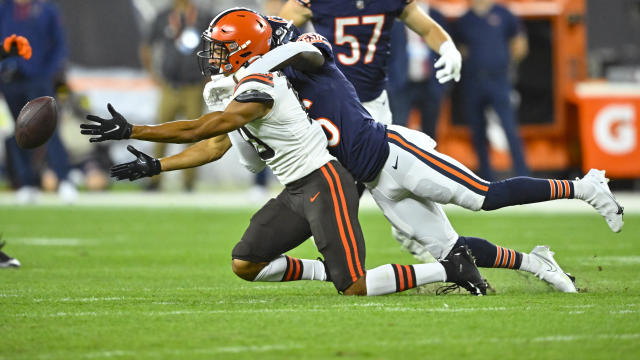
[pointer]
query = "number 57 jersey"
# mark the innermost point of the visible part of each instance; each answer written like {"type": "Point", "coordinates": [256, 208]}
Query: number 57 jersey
{"type": "Point", "coordinates": [360, 33]}
{"type": "Point", "coordinates": [290, 143]}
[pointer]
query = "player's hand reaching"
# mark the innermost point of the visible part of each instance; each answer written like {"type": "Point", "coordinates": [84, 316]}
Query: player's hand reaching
{"type": "Point", "coordinates": [450, 61]}
{"type": "Point", "coordinates": [116, 128]}
{"type": "Point", "coordinates": [17, 45]}
{"type": "Point", "coordinates": [143, 166]}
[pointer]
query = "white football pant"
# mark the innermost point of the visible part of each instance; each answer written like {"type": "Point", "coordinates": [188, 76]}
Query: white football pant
{"type": "Point", "coordinates": [414, 180]}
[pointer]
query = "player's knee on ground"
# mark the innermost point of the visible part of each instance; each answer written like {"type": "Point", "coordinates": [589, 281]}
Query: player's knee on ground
{"type": "Point", "coordinates": [357, 288]}
{"type": "Point", "coordinates": [246, 270]}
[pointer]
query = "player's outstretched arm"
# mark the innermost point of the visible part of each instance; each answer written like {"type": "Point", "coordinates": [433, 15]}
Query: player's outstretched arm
{"type": "Point", "coordinates": [438, 39]}
{"type": "Point", "coordinates": [236, 115]}
{"type": "Point", "coordinates": [198, 154]}
{"type": "Point", "coordinates": [143, 166]}
{"type": "Point", "coordinates": [298, 13]}
{"type": "Point", "coordinates": [207, 126]}
{"type": "Point", "coordinates": [299, 54]}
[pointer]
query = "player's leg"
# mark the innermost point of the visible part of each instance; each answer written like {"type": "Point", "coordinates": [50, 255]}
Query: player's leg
{"type": "Point", "coordinates": [333, 217]}
{"type": "Point", "coordinates": [274, 230]}
{"type": "Point", "coordinates": [430, 174]}
{"type": "Point", "coordinates": [592, 188]}
{"type": "Point", "coordinates": [428, 229]}
{"type": "Point", "coordinates": [539, 261]}
{"type": "Point", "coordinates": [381, 112]}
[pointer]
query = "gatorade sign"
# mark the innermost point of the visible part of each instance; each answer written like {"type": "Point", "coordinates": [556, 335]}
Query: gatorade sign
{"type": "Point", "coordinates": [615, 129]}
{"type": "Point", "coordinates": [609, 134]}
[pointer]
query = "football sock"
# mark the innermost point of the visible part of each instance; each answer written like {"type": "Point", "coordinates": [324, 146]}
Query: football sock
{"type": "Point", "coordinates": [286, 268]}
{"type": "Point", "coordinates": [390, 278]}
{"type": "Point", "coordinates": [489, 255]}
{"type": "Point", "coordinates": [525, 190]}
{"type": "Point", "coordinates": [530, 264]}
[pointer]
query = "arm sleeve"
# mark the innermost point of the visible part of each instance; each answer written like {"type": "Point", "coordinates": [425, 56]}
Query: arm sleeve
{"type": "Point", "coordinates": [249, 158]}
{"type": "Point", "coordinates": [277, 56]}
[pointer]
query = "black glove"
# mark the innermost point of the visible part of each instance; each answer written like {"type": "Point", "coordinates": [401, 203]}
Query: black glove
{"type": "Point", "coordinates": [116, 128]}
{"type": "Point", "coordinates": [143, 166]}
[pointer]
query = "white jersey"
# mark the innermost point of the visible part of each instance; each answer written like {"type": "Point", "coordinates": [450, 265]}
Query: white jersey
{"type": "Point", "coordinates": [286, 138]}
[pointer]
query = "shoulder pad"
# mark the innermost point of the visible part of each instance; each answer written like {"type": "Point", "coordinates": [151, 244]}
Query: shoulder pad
{"type": "Point", "coordinates": [254, 96]}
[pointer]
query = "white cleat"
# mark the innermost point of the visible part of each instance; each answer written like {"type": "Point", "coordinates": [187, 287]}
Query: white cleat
{"type": "Point", "coordinates": [602, 199]}
{"type": "Point", "coordinates": [551, 272]}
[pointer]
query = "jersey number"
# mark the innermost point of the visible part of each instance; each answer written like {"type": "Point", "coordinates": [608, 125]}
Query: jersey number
{"type": "Point", "coordinates": [342, 38]}
{"type": "Point", "coordinates": [331, 131]}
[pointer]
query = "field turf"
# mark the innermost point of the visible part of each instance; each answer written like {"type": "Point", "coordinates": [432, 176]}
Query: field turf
{"type": "Point", "coordinates": [107, 283]}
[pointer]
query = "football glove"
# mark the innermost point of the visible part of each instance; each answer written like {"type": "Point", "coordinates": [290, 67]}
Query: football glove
{"type": "Point", "coordinates": [143, 166]}
{"type": "Point", "coordinates": [450, 61]}
{"type": "Point", "coordinates": [116, 128]}
{"type": "Point", "coordinates": [218, 92]}
{"type": "Point", "coordinates": [16, 45]}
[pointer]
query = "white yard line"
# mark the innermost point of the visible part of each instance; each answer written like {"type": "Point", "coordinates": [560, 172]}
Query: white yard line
{"type": "Point", "coordinates": [240, 200]}
{"type": "Point", "coordinates": [45, 241]}
{"type": "Point", "coordinates": [174, 352]}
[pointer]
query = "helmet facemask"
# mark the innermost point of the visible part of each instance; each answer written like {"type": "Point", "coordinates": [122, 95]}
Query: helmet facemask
{"type": "Point", "coordinates": [214, 56]}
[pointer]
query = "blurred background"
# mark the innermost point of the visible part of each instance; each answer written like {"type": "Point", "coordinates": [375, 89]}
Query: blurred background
{"type": "Point", "coordinates": [576, 92]}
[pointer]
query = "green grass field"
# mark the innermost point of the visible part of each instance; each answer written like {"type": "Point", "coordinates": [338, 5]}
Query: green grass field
{"type": "Point", "coordinates": [156, 283]}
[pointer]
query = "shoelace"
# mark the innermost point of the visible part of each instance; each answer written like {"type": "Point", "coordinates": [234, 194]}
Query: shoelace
{"type": "Point", "coordinates": [447, 289]}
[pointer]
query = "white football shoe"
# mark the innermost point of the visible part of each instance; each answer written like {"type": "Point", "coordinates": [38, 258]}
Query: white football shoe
{"type": "Point", "coordinates": [602, 199]}
{"type": "Point", "coordinates": [550, 271]}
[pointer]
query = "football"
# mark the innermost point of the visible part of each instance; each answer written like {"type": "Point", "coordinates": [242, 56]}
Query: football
{"type": "Point", "coordinates": [36, 122]}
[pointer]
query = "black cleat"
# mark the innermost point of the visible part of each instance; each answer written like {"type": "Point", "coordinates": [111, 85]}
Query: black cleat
{"type": "Point", "coordinates": [462, 271]}
{"type": "Point", "coordinates": [7, 261]}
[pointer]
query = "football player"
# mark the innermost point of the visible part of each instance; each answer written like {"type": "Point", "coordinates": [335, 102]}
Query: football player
{"type": "Point", "coordinates": [409, 178]}
{"type": "Point", "coordinates": [360, 34]}
{"type": "Point", "coordinates": [320, 197]}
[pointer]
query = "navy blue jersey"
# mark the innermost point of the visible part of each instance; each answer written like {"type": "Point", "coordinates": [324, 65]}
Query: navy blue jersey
{"type": "Point", "coordinates": [360, 33]}
{"type": "Point", "coordinates": [355, 139]}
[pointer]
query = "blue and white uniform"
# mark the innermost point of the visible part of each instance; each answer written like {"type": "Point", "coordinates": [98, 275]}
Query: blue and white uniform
{"type": "Point", "coordinates": [360, 33]}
